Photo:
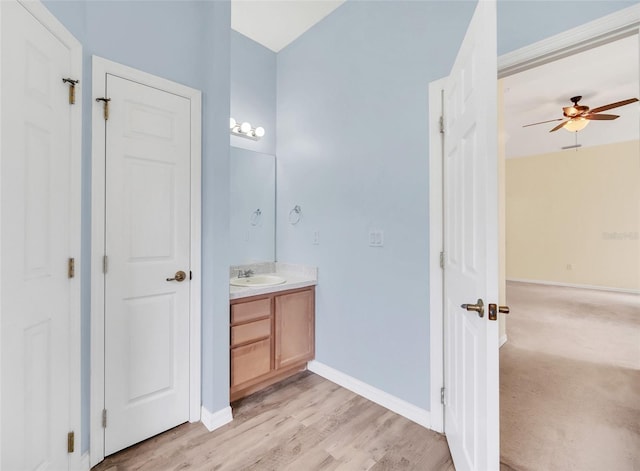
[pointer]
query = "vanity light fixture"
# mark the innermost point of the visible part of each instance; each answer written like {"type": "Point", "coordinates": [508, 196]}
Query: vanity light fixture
{"type": "Point", "coordinates": [245, 129]}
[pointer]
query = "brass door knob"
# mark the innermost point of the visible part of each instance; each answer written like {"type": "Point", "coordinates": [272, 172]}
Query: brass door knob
{"type": "Point", "coordinates": [179, 276]}
{"type": "Point", "coordinates": [477, 307]}
{"type": "Point", "coordinates": [494, 309]}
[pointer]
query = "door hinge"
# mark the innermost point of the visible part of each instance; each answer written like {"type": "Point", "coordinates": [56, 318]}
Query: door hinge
{"type": "Point", "coordinates": [72, 89]}
{"type": "Point", "coordinates": [105, 105]}
{"type": "Point", "coordinates": [442, 396]}
{"type": "Point", "coordinates": [71, 268]}
{"type": "Point", "coordinates": [190, 275]}
{"type": "Point", "coordinates": [104, 418]}
{"type": "Point", "coordinates": [71, 442]}
{"type": "Point", "coordinates": [105, 262]}
{"type": "Point", "coordinates": [441, 124]}
{"type": "Point", "coordinates": [442, 259]}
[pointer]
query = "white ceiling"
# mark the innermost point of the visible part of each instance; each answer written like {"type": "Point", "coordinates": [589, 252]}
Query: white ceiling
{"type": "Point", "coordinates": [277, 23]}
{"type": "Point", "coordinates": [601, 75]}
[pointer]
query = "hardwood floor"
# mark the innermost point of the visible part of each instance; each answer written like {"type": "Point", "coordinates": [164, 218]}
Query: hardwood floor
{"type": "Point", "coordinates": [304, 423]}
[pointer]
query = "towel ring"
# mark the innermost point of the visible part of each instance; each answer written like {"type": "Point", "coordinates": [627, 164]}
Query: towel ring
{"type": "Point", "coordinates": [256, 216]}
{"type": "Point", "coordinates": [295, 215]}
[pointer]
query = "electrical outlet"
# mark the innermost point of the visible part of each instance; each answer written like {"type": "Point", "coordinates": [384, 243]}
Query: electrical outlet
{"type": "Point", "coordinates": [376, 238]}
{"type": "Point", "coordinates": [316, 237]}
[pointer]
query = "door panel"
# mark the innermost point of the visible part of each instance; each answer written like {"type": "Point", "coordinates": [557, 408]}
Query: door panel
{"type": "Point", "coordinates": [154, 317]}
{"type": "Point", "coordinates": [294, 328]}
{"type": "Point", "coordinates": [470, 235]}
{"type": "Point", "coordinates": [150, 206]}
{"type": "Point", "coordinates": [147, 241]}
{"type": "Point", "coordinates": [36, 317]}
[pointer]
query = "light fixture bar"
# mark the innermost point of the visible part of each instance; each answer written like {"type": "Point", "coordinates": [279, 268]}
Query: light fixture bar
{"type": "Point", "coordinates": [245, 130]}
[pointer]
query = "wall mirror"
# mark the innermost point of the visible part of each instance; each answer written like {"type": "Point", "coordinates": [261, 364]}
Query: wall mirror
{"type": "Point", "coordinates": [253, 204]}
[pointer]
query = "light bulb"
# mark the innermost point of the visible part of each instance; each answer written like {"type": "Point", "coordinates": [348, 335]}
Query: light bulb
{"type": "Point", "coordinates": [259, 132]}
{"type": "Point", "coordinates": [576, 124]}
{"type": "Point", "coordinates": [232, 123]}
{"type": "Point", "coordinates": [245, 127]}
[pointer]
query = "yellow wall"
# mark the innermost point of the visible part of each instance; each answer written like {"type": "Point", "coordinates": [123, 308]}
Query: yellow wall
{"type": "Point", "coordinates": [502, 284]}
{"type": "Point", "coordinates": [574, 216]}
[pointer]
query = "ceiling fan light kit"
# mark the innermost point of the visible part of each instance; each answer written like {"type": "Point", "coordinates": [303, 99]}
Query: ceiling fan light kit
{"type": "Point", "coordinates": [575, 124]}
{"type": "Point", "coordinates": [578, 116]}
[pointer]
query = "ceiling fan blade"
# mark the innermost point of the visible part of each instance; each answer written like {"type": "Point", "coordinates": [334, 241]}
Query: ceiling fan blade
{"type": "Point", "coordinates": [601, 117]}
{"type": "Point", "coordinates": [542, 122]}
{"type": "Point", "coordinates": [614, 105]}
{"type": "Point", "coordinates": [561, 125]}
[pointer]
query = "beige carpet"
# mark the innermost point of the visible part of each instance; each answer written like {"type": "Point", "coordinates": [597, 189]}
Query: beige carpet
{"type": "Point", "coordinates": [570, 380]}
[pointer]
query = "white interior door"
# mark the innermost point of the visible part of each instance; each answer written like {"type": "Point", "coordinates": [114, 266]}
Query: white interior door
{"type": "Point", "coordinates": [471, 247]}
{"type": "Point", "coordinates": [147, 241]}
{"type": "Point", "coordinates": [38, 222]}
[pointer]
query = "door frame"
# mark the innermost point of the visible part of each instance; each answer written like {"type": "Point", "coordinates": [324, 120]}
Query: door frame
{"type": "Point", "coordinates": [101, 67]}
{"type": "Point", "coordinates": [58, 30]}
{"type": "Point", "coordinates": [609, 28]}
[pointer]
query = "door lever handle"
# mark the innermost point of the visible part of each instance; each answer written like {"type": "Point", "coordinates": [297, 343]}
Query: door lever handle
{"type": "Point", "coordinates": [179, 276]}
{"type": "Point", "coordinates": [494, 309]}
{"type": "Point", "coordinates": [477, 307]}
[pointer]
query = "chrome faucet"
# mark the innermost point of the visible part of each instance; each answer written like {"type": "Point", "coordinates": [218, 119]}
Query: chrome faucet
{"type": "Point", "coordinates": [245, 273]}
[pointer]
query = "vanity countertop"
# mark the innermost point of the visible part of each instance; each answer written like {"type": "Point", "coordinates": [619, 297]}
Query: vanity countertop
{"type": "Point", "coordinates": [297, 276]}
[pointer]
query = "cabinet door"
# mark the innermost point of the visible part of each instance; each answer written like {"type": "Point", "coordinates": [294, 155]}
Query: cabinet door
{"type": "Point", "coordinates": [295, 322]}
{"type": "Point", "coordinates": [250, 362]}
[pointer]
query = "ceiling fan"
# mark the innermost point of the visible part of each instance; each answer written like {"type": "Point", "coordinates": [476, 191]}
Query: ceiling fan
{"type": "Point", "coordinates": [576, 116]}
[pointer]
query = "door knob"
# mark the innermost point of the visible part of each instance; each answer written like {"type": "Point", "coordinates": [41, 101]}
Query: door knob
{"type": "Point", "coordinates": [494, 309]}
{"type": "Point", "coordinates": [179, 276]}
{"type": "Point", "coordinates": [477, 307]}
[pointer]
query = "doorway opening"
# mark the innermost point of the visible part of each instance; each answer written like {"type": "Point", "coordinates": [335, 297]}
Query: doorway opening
{"type": "Point", "coordinates": [608, 29]}
{"type": "Point", "coordinates": [572, 219]}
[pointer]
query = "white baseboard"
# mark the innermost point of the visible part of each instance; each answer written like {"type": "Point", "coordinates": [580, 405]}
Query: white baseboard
{"type": "Point", "coordinates": [397, 405]}
{"type": "Point", "coordinates": [503, 340]}
{"type": "Point", "coordinates": [572, 285]}
{"type": "Point", "coordinates": [214, 420]}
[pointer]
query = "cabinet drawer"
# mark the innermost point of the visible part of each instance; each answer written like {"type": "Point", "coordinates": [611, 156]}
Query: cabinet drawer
{"type": "Point", "coordinates": [251, 331]}
{"type": "Point", "coordinates": [250, 362]}
{"type": "Point", "coordinates": [244, 312]}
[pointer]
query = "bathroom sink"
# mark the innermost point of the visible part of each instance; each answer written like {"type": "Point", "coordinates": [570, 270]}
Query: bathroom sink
{"type": "Point", "coordinates": [258, 281]}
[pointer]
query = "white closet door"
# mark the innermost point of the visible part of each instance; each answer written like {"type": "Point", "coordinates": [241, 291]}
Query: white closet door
{"type": "Point", "coordinates": [147, 242]}
{"type": "Point", "coordinates": [36, 240]}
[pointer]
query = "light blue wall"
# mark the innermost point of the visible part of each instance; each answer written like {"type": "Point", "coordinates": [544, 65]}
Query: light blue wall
{"type": "Point", "coordinates": [187, 42]}
{"type": "Point", "coordinates": [253, 91]}
{"type": "Point", "coordinates": [352, 145]}
{"type": "Point", "coordinates": [524, 22]}
{"type": "Point", "coordinates": [352, 152]}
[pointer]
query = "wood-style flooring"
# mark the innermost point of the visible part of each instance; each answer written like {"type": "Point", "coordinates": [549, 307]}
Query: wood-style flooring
{"type": "Point", "coordinates": [304, 423]}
